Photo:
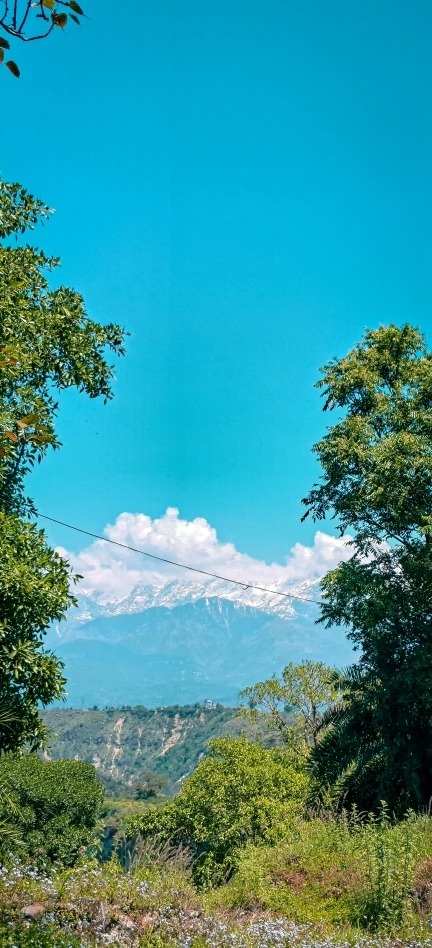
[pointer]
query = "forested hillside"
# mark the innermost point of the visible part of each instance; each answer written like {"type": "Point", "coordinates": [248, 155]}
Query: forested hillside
{"type": "Point", "coordinates": [123, 742]}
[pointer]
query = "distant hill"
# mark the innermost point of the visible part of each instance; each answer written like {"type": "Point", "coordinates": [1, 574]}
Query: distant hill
{"type": "Point", "coordinates": [184, 642]}
{"type": "Point", "coordinates": [122, 742]}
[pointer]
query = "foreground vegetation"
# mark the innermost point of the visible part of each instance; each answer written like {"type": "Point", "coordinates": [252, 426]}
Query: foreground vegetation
{"type": "Point", "coordinates": [331, 880]}
{"type": "Point", "coordinates": [239, 858]}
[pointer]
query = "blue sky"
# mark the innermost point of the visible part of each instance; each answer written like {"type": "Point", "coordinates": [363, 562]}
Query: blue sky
{"type": "Point", "coordinates": [245, 186]}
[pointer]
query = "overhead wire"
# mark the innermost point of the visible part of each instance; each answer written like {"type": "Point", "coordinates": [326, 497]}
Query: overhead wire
{"type": "Point", "coordinates": [193, 569]}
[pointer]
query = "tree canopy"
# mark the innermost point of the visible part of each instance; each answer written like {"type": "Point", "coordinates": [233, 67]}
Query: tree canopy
{"type": "Point", "coordinates": [295, 704]}
{"type": "Point", "coordinates": [149, 785]}
{"type": "Point", "coordinates": [56, 807]}
{"type": "Point", "coordinates": [377, 482]}
{"type": "Point", "coordinates": [47, 343]}
{"type": "Point", "coordinates": [239, 793]}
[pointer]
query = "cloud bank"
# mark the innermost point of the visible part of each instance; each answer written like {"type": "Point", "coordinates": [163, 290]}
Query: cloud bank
{"type": "Point", "coordinates": [113, 572]}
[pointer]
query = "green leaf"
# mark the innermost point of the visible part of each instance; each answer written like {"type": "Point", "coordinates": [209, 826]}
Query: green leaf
{"type": "Point", "coordinates": [13, 68]}
{"type": "Point", "coordinates": [2, 364]}
{"type": "Point", "coordinates": [4, 43]}
{"type": "Point", "coordinates": [49, 4]}
{"type": "Point", "coordinates": [76, 7]}
{"type": "Point", "coordinates": [38, 439]}
{"type": "Point", "coordinates": [31, 419]}
{"type": "Point", "coordinates": [75, 18]}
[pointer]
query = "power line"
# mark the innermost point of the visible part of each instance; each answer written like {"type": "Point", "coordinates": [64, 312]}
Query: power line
{"type": "Point", "coordinates": [193, 569]}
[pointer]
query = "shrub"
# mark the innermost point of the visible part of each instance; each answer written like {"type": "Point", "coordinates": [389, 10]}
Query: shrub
{"type": "Point", "coordinates": [370, 873]}
{"type": "Point", "coordinates": [316, 873]}
{"type": "Point", "coordinates": [240, 793]}
{"type": "Point", "coordinates": [58, 806]}
{"type": "Point", "coordinates": [149, 785]}
{"type": "Point", "coordinates": [47, 937]}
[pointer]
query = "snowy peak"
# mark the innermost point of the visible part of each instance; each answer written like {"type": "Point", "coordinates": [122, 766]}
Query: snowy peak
{"type": "Point", "coordinates": [172, 593]}
{"type": "Point", "coordinates": [182, 642]}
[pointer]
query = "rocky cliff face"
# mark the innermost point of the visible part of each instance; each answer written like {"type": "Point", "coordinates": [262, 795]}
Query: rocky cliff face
{"type": "Point", "coordinates": [123, 742]}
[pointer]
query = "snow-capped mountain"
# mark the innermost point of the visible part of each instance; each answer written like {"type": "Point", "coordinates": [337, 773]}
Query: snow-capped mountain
{"type": "Point", "coordinates": [173, 593]}
{"type": "Point", "coordinates": [180, 642]}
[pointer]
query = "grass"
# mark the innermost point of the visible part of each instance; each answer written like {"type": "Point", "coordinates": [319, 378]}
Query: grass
{"type": "Point", "coordinates": [330, 882]}
{"type": "Point", "coordinates": [345, 872]}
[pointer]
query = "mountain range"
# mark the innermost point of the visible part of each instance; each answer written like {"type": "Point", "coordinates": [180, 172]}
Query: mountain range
{"type": "Point", "coordinates": [182, 642]}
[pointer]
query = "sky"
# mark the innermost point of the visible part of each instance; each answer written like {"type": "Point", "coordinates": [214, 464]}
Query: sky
{"type": "Point", "coordinates": [245, 187]}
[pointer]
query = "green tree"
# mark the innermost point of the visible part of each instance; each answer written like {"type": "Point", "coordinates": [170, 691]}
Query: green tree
{"type": "Point", "coordinates": [377, 482]}
{"type": "Point", "coordinates": [239, 793]}
{"type": "Point", "coordinates": [47, 343]}
{"type": "Point", "coordinates": [56, 806]}
{"type": "Point", "coordinates": [294, 705]}
{"type": "Point", "coordinates": [150, 784]}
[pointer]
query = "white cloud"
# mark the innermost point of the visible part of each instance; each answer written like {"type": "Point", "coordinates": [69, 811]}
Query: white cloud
{"type": "Point", "coordinates": [113, 572]}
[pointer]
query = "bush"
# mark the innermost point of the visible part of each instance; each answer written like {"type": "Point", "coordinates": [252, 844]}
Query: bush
{"type": "Point", "coordinates": [58, 806]}
{"type": "Point", "coordinates": [372, 873]}
{"type": "Point", "coordinates": [240, 793]}
{"type": "Point", "coordinates": [320, 874]}
{"type": "Point", "coordinates": [149, 785]}
{"type": "Point", "coordinates": [47, 937]}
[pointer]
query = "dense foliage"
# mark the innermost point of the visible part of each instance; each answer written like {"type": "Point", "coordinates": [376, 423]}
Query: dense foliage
{"type": "Point", "coordinates": [377, 481]}
{"type": "Point", "coordinates": [327, 883]}
{"type": "Point", "coordinates": [57, 806]}
{"type": "Point", "coordinates": [47, 343]}
{"type": "Point", "coordinates": [34, 589]}
{"type": "Point", "coordinates": [240, 792]}
{"type": "Point", "coordinates": [294, 705]}
{"type": "Point", "coordinates": [372, 873]}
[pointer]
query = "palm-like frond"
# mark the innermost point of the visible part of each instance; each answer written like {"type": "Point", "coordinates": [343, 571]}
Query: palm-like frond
{"type": "Point", "coordinates": [7, 714]}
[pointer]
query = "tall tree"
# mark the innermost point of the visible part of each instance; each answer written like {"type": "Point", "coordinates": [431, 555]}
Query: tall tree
{"type": "Point", "coordinates": [47, 343]}
{"type": "Point", "coordinates": [377, 482]}
{"type": "Point", "coordinates": [295, 704]}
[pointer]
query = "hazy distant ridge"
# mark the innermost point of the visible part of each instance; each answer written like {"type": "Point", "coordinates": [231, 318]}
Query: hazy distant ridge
{"type": "Point", "coordinates": [181, 642]}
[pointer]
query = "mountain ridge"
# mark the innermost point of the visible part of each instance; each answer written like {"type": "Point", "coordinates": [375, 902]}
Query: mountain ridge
{"type": "Point", "coordinates": [171, 593]}
{"type": "Point", "coordinates": [123, 742]}
{"type": "Point", "coordinates": [170, 644]}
